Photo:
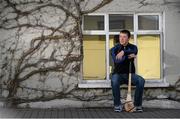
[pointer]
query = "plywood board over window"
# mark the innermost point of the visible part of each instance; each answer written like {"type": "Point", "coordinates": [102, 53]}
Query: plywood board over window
{"type": "Point", "coordinates": [94, 66]}
{"type": "Point", "coordinates": [148, 62]}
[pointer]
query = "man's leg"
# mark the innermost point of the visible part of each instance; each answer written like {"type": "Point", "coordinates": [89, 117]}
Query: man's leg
{"type": "Point", "coordinates": [139, 82]}
{"type": "Point", "coordinates": [116, 81]}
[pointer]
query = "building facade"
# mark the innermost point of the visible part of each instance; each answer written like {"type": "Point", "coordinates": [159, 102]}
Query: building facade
{"type": "Point", "coordinates": [56, 54]}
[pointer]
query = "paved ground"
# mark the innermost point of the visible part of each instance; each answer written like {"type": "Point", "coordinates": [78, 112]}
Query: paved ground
{"type": "Point", "coordinates": [86, 113]}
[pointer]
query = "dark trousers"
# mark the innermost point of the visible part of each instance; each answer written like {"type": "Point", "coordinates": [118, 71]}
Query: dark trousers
{"type": "Point", "coordinates": [118, 79]}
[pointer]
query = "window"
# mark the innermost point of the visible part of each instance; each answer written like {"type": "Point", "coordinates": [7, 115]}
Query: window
{"type": "Point", "coordinates": [148, 22]}
{"type": "Point", "coordinates": [100, 30]}
{"type": "Point", "coordinates": [93, 22]}
{"type": "Point", "coordinates": [148, 40]}
{"type": "Point", "coordinates": [118, 22]}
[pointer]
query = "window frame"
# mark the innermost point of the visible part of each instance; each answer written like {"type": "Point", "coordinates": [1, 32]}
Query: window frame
{"type": "Point", "coordinates": [106, 83]}
{"type": "Point", "coordinates": [94, 32]}
{"type": "Point", "coordinates": [151, 32]}
{"type": "Point", "coordinates": [149, 14]}
{"type": "Point", "coordinates": [98, 32]}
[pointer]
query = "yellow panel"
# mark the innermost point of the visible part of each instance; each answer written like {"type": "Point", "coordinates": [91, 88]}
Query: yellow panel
{"type": "Point", "coordinates": [148, 60]}
{"type": "Point", "coordinates": [94, 57]}
{"type": "Point", "coordinates": [111, 44]}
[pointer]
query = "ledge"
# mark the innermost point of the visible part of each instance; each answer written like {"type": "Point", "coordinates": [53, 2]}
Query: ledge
{"type": "Point", "coordinates": [107, 84]}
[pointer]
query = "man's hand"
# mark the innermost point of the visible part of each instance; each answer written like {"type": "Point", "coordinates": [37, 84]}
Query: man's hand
{"type": "Point", "coordinates": [131, 56]}
{"type": "Point", "coordinates": [119, 55]}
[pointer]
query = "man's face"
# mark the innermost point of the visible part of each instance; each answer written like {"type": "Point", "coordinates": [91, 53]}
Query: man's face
{"type": "Point", "coordinates": [123, 39]}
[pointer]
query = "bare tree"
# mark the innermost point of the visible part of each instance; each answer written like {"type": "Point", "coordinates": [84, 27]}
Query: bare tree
{"type": "Point", "coordinates": [53, 31]}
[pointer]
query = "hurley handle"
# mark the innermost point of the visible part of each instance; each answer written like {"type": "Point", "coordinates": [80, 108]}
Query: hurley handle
{"type": "Point", "coordinates": [129, 80]}
{"type": "Point", "coordinates": [130, 68]}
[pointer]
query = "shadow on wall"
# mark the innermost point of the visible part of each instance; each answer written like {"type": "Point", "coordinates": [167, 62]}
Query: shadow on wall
{"type": "Point", "coordinates": [172, 68]}
{"type": "Point", "coordinates": [172, 64]}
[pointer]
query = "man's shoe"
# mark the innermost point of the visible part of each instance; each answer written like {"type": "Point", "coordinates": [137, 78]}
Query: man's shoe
{"type": "Point", "coordinates": [118, 108]}
{"type": "Point", "coordinates": [138, 109]}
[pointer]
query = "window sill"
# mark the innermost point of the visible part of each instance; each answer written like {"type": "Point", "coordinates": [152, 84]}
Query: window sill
{"type": "Point", "coordinates": [107, 84]}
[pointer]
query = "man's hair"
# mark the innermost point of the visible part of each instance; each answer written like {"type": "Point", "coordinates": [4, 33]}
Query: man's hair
{"type": "Point", "coordinates": [126, 32]}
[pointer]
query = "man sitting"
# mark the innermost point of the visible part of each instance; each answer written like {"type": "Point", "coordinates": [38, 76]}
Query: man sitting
{"type": "Point", "coordinates": [122, 54]}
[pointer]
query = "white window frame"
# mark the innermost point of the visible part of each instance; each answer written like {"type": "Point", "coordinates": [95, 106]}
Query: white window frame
{"type": "Point", "coordinates": [94, 32]}
{"type": "Point", "coordinates": [107, 83]}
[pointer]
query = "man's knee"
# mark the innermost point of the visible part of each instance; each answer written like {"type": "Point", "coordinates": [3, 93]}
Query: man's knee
{"type": "Point", "coordinates": [115, 80]}
{"type": "Point", "coordinates": [139, 80]}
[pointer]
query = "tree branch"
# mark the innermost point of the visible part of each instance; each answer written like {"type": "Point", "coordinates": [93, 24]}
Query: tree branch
{"type": "Point", "coordinates": [100, 5]}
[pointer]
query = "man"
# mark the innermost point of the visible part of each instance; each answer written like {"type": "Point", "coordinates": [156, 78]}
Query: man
{"type": "Point", "coordinates": [122, 54]}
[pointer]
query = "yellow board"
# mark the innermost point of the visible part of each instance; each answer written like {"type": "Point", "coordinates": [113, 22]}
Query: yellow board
{"type": "Point", "coordinates": [148, 60]}
{"type": "Point", "coordinates": [94, 66]}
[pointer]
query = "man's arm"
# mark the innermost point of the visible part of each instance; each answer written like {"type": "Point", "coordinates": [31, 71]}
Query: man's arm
{"type": "Point", "coordinates": [132, 50]}
{"type": "Point", "coordinates": [113, 54]}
